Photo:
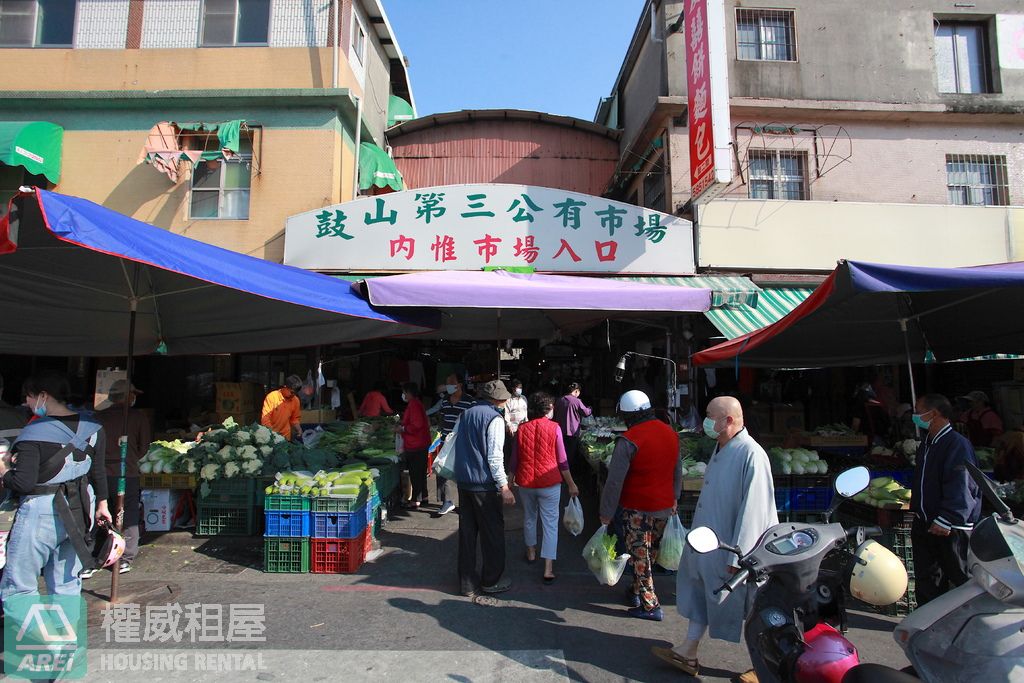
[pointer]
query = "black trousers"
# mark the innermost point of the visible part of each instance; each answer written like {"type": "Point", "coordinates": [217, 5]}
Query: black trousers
{"type": "Point", "coordinates": [940, 562]}
{"type": "Point", "coordinates": [416, 461]}
{"type": "Point", "coordinates": [480, 515]}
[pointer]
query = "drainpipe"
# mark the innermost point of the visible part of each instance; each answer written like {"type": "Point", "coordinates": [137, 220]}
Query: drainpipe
{"type": "Point", "coordinates": [359, 139]}
{"type": "Point", "coordinates": [337, 48]}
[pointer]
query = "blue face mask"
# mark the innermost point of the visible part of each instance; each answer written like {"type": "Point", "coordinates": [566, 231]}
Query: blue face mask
{"type": "Point", "coordinates": [709, 428]}
{"type": "Point", "coordinates": [40, 408]}
{"type": "Point", "coordinates": [920, 422]}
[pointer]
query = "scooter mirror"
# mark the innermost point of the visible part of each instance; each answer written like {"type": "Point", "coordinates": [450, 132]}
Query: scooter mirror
{"type": "Point", "coordinates": [703, 540]}
{"type": "Point", "coordinates": [852, 481]}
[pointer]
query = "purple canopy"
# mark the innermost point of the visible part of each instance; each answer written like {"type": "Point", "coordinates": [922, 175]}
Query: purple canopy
{"type": "Point", "coordinates": [527, 305]}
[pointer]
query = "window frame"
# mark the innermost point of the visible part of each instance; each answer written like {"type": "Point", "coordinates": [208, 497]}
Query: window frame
{"type": "Point", "coordinates": [759, 13]}
{"type": "Point", "coordinates": [237, 17]}
{"type": "Point", "coordinates": [34, 44]}
{"type": "Point", "coordinates": [988, 86]}
{"type": "Point", "coordinates": [778, 180]}
{"type": "Point", "coordinates": [242, 158]}
{"type": "Point", "coordinates": [1000, 187]}
{"type": "Point", "coordinates": [359, 45]}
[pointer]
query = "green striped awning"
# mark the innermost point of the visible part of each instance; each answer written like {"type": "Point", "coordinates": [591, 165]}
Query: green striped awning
{"type": "Point", "coordinates": [772, 305]}
{"type": "Point", "coordinates": [725, 290]}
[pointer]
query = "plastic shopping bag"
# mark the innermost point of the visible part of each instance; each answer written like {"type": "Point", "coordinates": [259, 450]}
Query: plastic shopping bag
{"type": "Point", "coordinates": [672, 543]}
{"type": "Point", "coordinates": [444, 461]}
{"type": "Point", "coordinates": [572, 518]}
{"type": "Point", "coordinates": [602, 559]}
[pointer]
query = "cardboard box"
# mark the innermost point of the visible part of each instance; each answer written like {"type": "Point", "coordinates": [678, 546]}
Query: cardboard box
{"type": "Point", "coordinates": [317, 416]}
{"type": "Point", "coordinates": [787, 416]}
{"type": "Point", "coordinates": [158, 507]}
{"type": "Point", "coordinates": [693, 484]}
{"type": "Point", "coordinates": [104, 380]}
{"type": "Point", "coordinates": [242, 397]}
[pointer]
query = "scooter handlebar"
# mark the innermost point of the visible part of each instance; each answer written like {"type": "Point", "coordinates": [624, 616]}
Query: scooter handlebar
{"type": "Point", "coordinates": [737, 580]}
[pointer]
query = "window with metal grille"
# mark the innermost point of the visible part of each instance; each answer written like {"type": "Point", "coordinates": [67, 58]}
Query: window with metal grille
{"type": "Point", "coordinates": [654, 186]}
{"type": "Point", "coordinates": [977, 180]}
{"type": "Point", "coordinates": [961, 58]}
{"type": "Point", "coordinates": [766, 35]}
{"type": "Point", "coordinates": [227, 23]}
{"type": "Point", "coordinates": [777, 175]}
{"type": "Point", "coordinates": [220, 187]}
{"type": "Point", "coordinates": [37, 23]}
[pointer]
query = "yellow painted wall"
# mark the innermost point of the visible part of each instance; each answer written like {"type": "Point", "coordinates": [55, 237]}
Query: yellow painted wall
{"type": "Point", "coordinates": [193, 69]}
{"type": "Point", "coordinates": [301, 169]}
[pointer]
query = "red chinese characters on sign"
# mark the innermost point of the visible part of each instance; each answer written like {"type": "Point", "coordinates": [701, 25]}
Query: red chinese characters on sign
{"type": "Point", "coordinates": [606, 250]}
{"type": "Point", "coordinates": [698, 86]}
{"type": "Point", "coordinates": [443, 248]}
{"type": "Point", "coordinates": [487, 247]}
{"type": "Point", "coordinates": [405, 245]}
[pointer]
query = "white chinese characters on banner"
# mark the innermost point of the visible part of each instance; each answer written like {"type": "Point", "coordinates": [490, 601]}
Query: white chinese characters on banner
{"type": "Point", "coordinates": [468, 227]}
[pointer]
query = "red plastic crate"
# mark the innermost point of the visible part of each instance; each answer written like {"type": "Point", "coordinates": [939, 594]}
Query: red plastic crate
{"type": "Point", "coordinates": [338, 555]}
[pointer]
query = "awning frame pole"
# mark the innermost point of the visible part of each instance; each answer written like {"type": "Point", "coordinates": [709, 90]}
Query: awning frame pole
{"type": "Point", "coordinates": [910, 364]}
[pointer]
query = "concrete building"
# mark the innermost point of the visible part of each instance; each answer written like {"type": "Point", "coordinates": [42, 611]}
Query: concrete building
{"type": "Point", "coordinates": [873, 131]}
{"type": "Point", "coordinates": [297, 85]}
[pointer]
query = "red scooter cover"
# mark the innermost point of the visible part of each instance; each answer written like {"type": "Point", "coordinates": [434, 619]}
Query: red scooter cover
{"type": "Point", "coordinates": [827, 658]}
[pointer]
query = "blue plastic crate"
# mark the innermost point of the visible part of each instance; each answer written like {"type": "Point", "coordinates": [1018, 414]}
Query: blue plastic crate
{"type": "Point", "coordinates": [810, 499]}
{"type": "Point", "coordinates": [287, 523]}
{"type": "Point", "coordinates": [340, 524]}
{"type": "Point", "coordinates": [782, 499]}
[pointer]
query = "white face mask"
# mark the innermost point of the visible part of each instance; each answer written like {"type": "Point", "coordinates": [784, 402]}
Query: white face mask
{"type": "Point", "coordinates": [451, 388]}
{"type": "Point", "coordinates": [519, 391]}
{"type": "Point", "coordinates": [405, 398]}
{"type": "Point", "coordinates": [550, 415]}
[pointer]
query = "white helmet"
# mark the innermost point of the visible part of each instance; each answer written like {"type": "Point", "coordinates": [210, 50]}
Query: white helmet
{"type": "Point", "coordinates": [634, 401]}
{"type": "Point", "coordinates": [877, 576]}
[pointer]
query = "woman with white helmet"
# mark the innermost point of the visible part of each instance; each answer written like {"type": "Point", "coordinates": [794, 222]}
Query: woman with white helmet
{"type": "Point", "coordinates": [644, 478]}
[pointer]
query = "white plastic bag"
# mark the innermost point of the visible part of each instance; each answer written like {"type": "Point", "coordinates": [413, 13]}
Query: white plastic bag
{"type": "Point", "coordinates": [600, 556]}
{"type": "Point", "coordinates": [572, 518]}
{"type": "Point", "coordinates": [444, 461]}
{"type": "Point", "coordinates": [672, 543]}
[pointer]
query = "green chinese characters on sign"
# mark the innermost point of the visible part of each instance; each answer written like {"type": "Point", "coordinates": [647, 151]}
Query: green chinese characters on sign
{"type": "Point", "coordinates": [476, 202]}
{"type": "Point", "coordinates": [391, 217]}
{"type": "Point", "coordinates": [328, 225]}
{"type": "Point", "coordinates": [569, 212]}
{"type": "Point", "coordinates": [611, 218]}
{"type": "Point", "coordinates": [430, 206]}
{"type": "Point", "coordinates": [521, 212]}
{"type": "Point", "coordinates": [651, 229]}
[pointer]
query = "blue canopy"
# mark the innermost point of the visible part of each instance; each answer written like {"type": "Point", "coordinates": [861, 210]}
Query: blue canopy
{"type": "Point", "coordinates": [869, 314]}
{"type": "Point", "coordinates": [72, 269]}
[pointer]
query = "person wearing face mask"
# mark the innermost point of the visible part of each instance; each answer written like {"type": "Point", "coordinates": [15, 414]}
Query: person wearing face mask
{"type": "Point", "coordinates": [282, 410]}
{"type": "Point", "coordinates": [415, 432]}
{"type": "Point", "coordinates": [140, 435]}
{"type": "Point", "coordinates": [641, 492]}
{"type": "Point", "coordinates": [515, 408]}
{"type": "Point", "coordinates": [452, 407]}
{"type": "Point", "coordinates": [56, 470]}
{"type": "Point", "coordinates": [945, 500]}
{"type": "Point", "coordinates": [738, 503]}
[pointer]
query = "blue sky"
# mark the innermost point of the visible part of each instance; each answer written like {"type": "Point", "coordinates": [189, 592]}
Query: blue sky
{"type": "Point", "coordinates": [555, 56]}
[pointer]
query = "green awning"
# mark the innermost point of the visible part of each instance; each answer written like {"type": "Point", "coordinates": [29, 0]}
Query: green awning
{"type": "Point", "coordinates": [399, 110]}
{"type": "Point", "coordinates": [229, 135]}
{"type": "Point", "coordinates": [377, 169]}
{"type": "Point", "coordinates": [772, 305]}
{"type": "Point", "coordinates": [725, 290]}
{"type": "Point", "coordinates": [33, 145]}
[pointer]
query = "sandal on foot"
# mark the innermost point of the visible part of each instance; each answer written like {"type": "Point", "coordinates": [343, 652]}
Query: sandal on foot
{"type": "Point", "coordinates": [549, 580]}
{"type": "Point", "coordinates": [669, 656]}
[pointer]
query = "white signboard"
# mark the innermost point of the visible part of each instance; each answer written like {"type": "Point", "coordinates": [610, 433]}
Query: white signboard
{"type": "Point", "coordinates": [469, 227]}
{"type": "Point", "coordinates": [1010, 37]}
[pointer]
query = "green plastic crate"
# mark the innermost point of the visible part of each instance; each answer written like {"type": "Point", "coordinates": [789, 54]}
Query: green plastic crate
{"type": "Point", "coordinates": [329, 504]}
{"type": "Point", "coordinates": [260, 493]}
{"type": "Point", "coordinates": [214, 520]}
{"type": "Point", "coordinates": [286, 555]}
{"type": "Point", "coordinates": [294, 503]}
{"type": "Point", "coordinates": [229, 493]}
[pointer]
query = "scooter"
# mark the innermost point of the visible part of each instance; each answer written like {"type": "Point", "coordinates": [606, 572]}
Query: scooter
{"type": "Point", "coordinates": [974, 632]}
{"type": "Point", "coordinates": [794, 629]}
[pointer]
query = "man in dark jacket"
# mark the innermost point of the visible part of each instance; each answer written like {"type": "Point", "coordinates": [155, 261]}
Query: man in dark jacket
{"type": "Point", "coordinates": [483, 487]}
{"type": "Point", "coordinates": [946, 501]}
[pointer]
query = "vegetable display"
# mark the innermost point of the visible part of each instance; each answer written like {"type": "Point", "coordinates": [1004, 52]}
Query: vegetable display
{"type": "Point", "coordinates": [349, 482]}
{"type": "Point", "coordinates": [796, 461]}
{"type": "Point", "coordinates": [884, 492]}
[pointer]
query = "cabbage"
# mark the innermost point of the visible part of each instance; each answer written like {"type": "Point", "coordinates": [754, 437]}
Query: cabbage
{"type": "Point", "coordinates": [787, 457]}
{"type": "Point", "coordinates": [798, 468]}
{"type": "Point", "coordinates": [822, 467]}
{"type": "Point", "coordinates": [787, 468]}
{"type": "Point", "coordinates": [145, 467]}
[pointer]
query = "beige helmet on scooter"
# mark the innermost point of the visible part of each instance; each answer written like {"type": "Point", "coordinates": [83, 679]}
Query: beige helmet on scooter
{"type": "Point", "coordinates": [877, 576]}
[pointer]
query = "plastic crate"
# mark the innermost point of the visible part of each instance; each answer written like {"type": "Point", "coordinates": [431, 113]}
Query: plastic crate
{"type": "Point", "coordinates": [336, 555]}
{"type": "Point", "coordinates": [260, 493]}
{"type": "Point", "coordinates": [339, 524]}
{"type": "Point", "coordinates": [810, 499]}
{"type": "Point", "coordinates": [286, 555]}
{"type": "Point", "coordinates": [216, 520]}
{"type": "Point", "coordinates": [279, 502]}
{"type": "Point", "coordinates": [167, 481]}
{"type": "Point", "coordinates": [293, 524]}
{"type": "Point", "coordinates": [337, 504]}
{"type": "Point", "coordinates": [782, 500]}
{"type": "Point", "coordinates": [230, 493]}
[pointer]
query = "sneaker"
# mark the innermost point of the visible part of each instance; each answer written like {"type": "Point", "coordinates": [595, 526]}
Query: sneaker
{"type": "Point", "coordinates": [125, 567]}
{"type": "Point", "coordinates": [446, 508]}
{"type": "Point", "coordinates": [503, 585]}
{"type": "Point", "coordinates": [651, 615]}
{"type": "Point", "coordinates": [88, 574]}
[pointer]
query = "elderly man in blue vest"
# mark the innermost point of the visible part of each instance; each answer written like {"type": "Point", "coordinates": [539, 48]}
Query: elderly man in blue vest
{"type": "Point", "coordinates": [483, 488]}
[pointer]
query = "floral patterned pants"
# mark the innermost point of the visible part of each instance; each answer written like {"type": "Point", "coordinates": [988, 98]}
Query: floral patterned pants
{"type": "Point", "coordinates": [642, 536]}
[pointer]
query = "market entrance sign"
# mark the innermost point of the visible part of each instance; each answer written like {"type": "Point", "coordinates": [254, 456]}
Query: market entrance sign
{"type": "Point", "coordinates": [469, 227]}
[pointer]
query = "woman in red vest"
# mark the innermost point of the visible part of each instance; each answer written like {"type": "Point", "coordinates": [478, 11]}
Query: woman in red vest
{"type": "Point", "coordinates": [540, 466]}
